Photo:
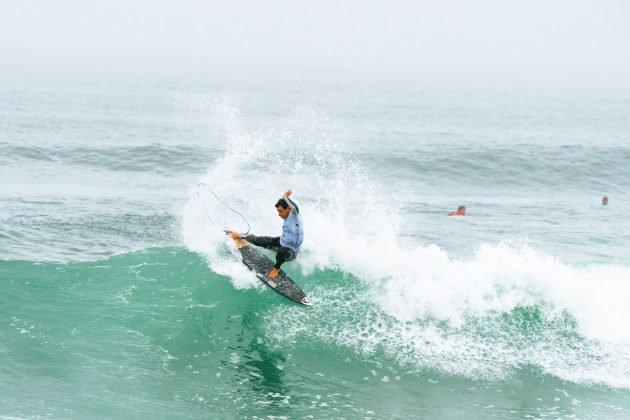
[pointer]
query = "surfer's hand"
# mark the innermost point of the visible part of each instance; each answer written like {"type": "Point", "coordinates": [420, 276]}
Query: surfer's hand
{"type": "Point", "coordinates": [288, 193]}
{"type": "Point", "coordinates": [234, 235]}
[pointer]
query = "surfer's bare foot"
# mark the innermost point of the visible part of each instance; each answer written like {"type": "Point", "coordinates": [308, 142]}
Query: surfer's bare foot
{"type": "Point", "coordinates": [273, 273]}
{"type": "Point", "coordinates": [234, 235]}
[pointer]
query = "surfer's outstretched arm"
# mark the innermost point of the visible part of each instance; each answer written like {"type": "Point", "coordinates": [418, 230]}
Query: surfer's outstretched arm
{"type": "Point", "coordinates": [292, 204]}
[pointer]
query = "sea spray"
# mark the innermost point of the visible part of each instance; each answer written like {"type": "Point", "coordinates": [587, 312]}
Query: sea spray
{"type": "Point", "coordinates": [484, 317]}
{"type": "Point", "coordinates": [340, 205]}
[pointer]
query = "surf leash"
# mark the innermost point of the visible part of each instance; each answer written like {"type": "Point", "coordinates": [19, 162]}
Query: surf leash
{"type": "Point", "coordinates": [220, 201]}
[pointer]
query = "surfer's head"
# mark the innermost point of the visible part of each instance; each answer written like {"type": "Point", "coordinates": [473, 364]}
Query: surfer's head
{"type": "Point", "coordinates": [283, 208]}
{"type": "Point", "coordinates": [605, 201]}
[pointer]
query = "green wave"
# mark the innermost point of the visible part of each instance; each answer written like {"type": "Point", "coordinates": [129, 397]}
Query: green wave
{"type": "Point", "coordinates": [156, 333]}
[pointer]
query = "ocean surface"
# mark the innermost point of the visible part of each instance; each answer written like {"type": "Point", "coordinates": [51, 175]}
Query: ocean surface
{"type": "Point", "coordinates": [122, 299]}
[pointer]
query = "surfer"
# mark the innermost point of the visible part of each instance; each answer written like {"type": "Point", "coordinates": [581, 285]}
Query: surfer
{"type": "Point", "coordinates": [605, 201]}
{"type": "Point", "coordinates": [461, 211]}
{"type": "Point", "coordinates": [286, 246]}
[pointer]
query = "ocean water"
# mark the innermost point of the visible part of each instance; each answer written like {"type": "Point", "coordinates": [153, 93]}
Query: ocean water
{"type": "Point", "coordinates": [122, 299]}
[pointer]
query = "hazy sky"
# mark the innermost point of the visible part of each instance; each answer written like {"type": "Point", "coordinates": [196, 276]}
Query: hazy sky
{"type": "Point", "coordinates": [546, 40]}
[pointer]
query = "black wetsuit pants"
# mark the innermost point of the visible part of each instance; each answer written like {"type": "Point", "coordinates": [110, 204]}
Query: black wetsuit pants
{"type": "Point", "coordinates": [283, 254]}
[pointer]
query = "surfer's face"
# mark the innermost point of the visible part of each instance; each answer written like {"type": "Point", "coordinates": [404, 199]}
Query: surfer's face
{"type": "Point", "coordinates": [284, 213]}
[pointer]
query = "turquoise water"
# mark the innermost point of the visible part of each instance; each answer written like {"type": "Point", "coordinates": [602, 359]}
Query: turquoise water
{"type": "Point", "coordinates": [122, 299]}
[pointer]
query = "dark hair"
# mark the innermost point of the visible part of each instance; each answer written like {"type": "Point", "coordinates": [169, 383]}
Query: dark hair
{"type": "Point", "coordinates": [460, 208]}
{"type": "Point", "coordinates": [282, 203]}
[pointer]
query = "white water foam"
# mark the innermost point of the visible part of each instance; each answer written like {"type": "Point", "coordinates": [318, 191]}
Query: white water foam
{"type": "Point", "coordinates": [418, 305]}
{"type": "Point", "coordinates": [500, 278]}
{"type": "Point", "coordinates": [485, 317]}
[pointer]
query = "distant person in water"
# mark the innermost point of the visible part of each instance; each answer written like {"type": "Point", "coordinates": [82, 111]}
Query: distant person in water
{"type": "Point", "coordinates": [461, 211]}
{"type": "Point", "coordinates": [286, 246]}
{"type": "Point", "coordinates": [605, 201]}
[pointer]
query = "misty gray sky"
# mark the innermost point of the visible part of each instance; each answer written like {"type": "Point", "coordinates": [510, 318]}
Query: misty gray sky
{"type": "Point", "coordinates": [447, 39]}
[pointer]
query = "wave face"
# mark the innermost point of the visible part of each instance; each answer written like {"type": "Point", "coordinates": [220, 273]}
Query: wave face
{"type": "Point", "coordinates": [122, 297]}
{"type": "Point", "coordinates": [157, 332]}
